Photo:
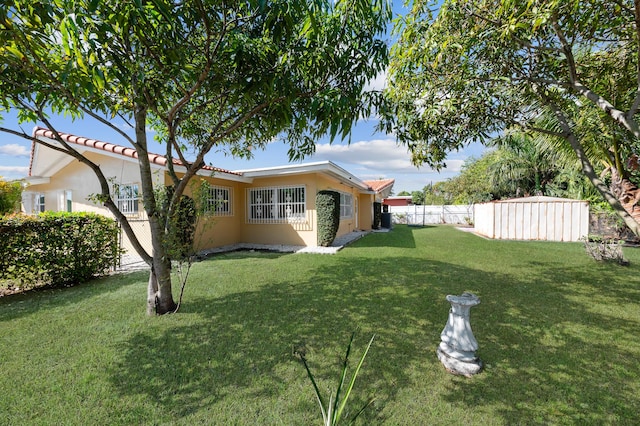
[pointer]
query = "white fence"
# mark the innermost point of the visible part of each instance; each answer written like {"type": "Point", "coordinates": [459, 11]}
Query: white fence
{"type": "Point", "coordinates": [533, 218]}
{"type": "Point", "coordinates": [428, 215]}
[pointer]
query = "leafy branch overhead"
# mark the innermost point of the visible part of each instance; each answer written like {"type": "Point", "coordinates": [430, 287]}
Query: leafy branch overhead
{"type": "Point", "coordinates": [206, 76]}
{"type": "Point", "coordinates": [477, 68]}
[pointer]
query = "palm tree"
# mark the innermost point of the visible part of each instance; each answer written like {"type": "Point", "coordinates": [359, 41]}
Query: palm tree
{"type": "Point", "coordinates": [520, 167]}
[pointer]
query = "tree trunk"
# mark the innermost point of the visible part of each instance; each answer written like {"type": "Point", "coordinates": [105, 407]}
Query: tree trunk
{"type": "Point", "coordinates": [587, 169]}
{"type": "Point", "coordinates": [152, 292]}
{"type": "Point", "coordinates": [159, 296]}
{"type": "Point", "coordinates": [627, 193]}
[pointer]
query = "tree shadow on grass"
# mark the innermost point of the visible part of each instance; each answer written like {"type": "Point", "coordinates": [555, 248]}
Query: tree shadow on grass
{"type": "Point", "coordinates": [554, 350]}
{"type": "Point", "coordinates": [242, 344]}
{"type": "Point", "coordinates": [572, 355]}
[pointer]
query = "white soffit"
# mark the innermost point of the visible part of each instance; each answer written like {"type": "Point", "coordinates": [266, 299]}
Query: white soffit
{"type": "Point", "coordinates": [326, 167]}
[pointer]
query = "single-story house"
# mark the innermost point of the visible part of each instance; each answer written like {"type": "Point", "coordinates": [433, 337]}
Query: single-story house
{"type": "Point", "coordinates": [274, 205]}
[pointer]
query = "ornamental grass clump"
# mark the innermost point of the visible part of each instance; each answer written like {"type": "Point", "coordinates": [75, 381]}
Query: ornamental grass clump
{"type": "Point", "coordinates": [334, 409]}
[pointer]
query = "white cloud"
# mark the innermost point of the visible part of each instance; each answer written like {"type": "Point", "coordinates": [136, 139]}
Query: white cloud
{"type": "Point", "coordinates": [379, 82]}
{"type": "Point", "coordinates": [379, 155]}
{"type": "Point", "coordinates": [376, 154]}
{"type": "Point", "coordinates": [13, 172]}
{"type": "Point", "coordinates": [454, 165]}
{"type": "Point", "coordinates": [384, 158]}
{"type": "Point", "coordinates": [14, 150]}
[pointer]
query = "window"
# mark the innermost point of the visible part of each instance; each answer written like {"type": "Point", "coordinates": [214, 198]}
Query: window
{"type": "Point", "coordinates": [277, 205]}
{"type": "Point", "coordinates": [68, 200]}
{"type": "Point", "coordinates": [346, 205]}
{"type": "Point", "coordinates": [38, 203]}
{"type": "Point", "coordinates": [127, 198]}
{"type": "Point", "coordinates": [219, 201]}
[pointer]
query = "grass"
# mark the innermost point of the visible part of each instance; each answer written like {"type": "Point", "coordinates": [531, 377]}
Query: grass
{"type": "Point", "coordinates": [558, 333]}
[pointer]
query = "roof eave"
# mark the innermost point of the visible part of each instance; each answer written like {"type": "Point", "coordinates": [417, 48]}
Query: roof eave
{"type": "Point", "coordinates": [326, 167]}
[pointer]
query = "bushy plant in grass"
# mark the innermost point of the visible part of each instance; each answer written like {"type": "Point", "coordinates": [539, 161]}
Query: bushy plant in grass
{"type": "Point", "coordinates": [328, 211]}
{"type": "Point", "coordinates": [334, 408]}
{"type": "Point", "coordinates": [605, 250]}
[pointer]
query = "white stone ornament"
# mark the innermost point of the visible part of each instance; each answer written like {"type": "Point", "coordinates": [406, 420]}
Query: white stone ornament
{"type": "Point", "coordinates": [458, 346]}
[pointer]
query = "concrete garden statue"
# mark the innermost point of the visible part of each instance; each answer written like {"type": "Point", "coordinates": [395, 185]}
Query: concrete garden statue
{"type": "Point", "coordinates": [458, 346]}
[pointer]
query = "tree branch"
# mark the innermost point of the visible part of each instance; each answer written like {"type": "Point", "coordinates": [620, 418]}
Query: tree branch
{"type": "Point", "coordinates": [636, 102]}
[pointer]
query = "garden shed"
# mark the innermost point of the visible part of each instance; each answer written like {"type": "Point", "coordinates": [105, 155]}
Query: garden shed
{"type": "Point", "coordinates": [533, 218]}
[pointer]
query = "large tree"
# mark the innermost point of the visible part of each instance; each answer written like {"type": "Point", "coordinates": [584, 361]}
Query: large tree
{"type": "Point", "coordinates": [477, 67]}
{"type": "Point", "coordinates": [204, 74]}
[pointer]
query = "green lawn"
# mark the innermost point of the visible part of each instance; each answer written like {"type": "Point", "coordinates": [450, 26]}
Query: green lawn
{"type": "Point", "coordinates": [557, 331]}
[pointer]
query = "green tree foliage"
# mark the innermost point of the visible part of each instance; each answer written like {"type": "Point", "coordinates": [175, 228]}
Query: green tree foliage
{"type": "Point", "coordinates": [482, 66]}
{"type": "Point", "coordinates": [473, 184]}
{"type": "Point", "coordinates": [10, 196]}
{"type": "Point", "coordinates": [206, 75]}
{"type": "Point", "coordinates": [417, 197]}
{"type": "Point", "coordinates": [500, 174]}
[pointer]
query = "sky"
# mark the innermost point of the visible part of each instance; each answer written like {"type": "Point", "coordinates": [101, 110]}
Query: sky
{"type": "Point", "coordinates": [370, 155]}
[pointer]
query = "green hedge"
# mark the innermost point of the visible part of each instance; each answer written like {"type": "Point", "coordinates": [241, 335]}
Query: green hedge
{"type": "Point", "coordinates": [328, 210]}
{"type": "Point", "coordinates": [56, 249]}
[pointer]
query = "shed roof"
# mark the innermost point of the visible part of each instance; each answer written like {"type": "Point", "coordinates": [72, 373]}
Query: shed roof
{"type": "Point", "coordinates": [540, 199]}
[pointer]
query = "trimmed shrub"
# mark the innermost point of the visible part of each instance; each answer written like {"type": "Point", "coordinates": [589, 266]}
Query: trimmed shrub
{"type": "Point", "coordinates": [377, 215]}
{"type": "Point", "coordinates": [328, 210]}
{"type": "Point", "coordinates": [56, 249]}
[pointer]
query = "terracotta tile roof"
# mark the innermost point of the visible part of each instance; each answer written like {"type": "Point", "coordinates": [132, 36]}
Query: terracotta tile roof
{"type": "Point", "coordinates": [380, 184]}
{"type": "Point", "coordinates": [109, 147]}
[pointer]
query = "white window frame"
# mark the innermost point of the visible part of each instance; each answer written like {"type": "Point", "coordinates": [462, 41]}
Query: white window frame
{"type": "Point", "coordinates": [38, 203]}
{"type": "Point", "coordinates": [220, 201]}
{"type": "Point", "coordinates": [127, 198]}
{"type": "Point", "coordinates": [65, 201]}
{"type": "Point", "coordinates": [277, 204]}
{"type": "Point", "coordinates": [346, 205]}
{"type": "Point", "coordinates": [68, 200]}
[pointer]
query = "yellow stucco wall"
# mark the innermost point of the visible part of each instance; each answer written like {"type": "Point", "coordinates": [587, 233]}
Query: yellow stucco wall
{"type": "Point", "coordinates": [304, 234]}
{"type": "Point", "coordinates": [83, 183]}
{"type": "Point", "coordinates": [365, 213]}
{"type": "Point", "coordinates": [217, 230]}
{"type": "Point", "coordinates": [213, 231]}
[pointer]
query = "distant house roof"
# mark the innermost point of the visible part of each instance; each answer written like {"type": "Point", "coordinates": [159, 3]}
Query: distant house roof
{"type": "Point", "coordinates": [381, 184]}
{"type": "Point", "coordinates": [398, 200]}
{"type": "Point", "coordinates": [56, 161]}
{"type": "Point", "coordinates": [400, 197]}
